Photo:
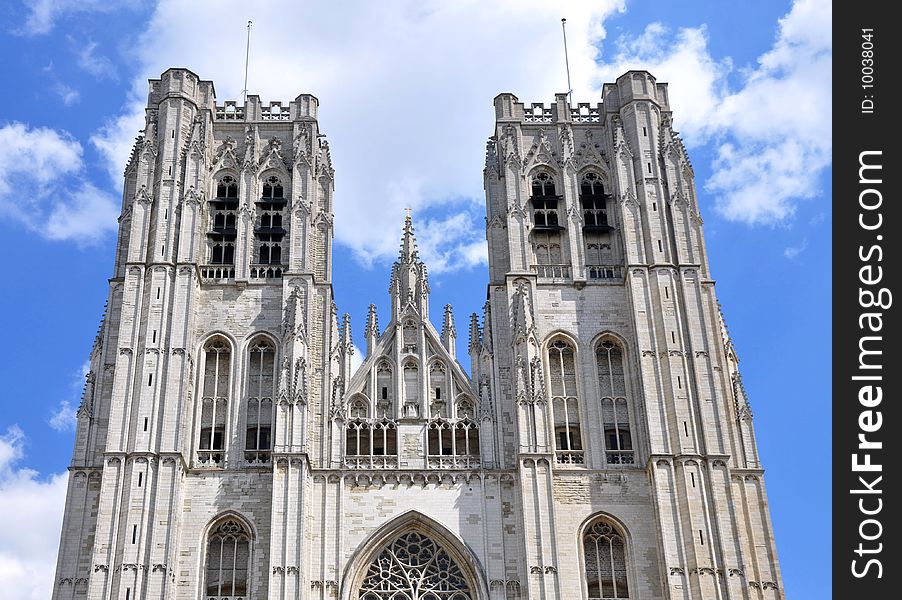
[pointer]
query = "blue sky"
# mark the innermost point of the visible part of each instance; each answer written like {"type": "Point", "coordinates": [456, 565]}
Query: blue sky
{"type": "Point", "coordinates": [406, 94]}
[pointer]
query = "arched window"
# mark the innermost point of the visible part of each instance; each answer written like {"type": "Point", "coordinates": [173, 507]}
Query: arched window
{"type": "Point", "coordinates": [411, 567]}
{"type": "Point", "coordinates": [223, 222]}
{"type": "Point", "coordinates": [544, 202]}
{"type": "Point", "coordinates": [411, 390]}
{"type": "Point", "coordinates": [228, 561]}
{"type": "Point", "coordinates": [604, 557]}
{"type": "Point", "coordinates": [409, 337]}
{"type": "Point", "coordinates": [371, 444]}
{"type": "Point", "coordinates": [214, 402]}
{"type": "Point", "coordinates": [464, 409]}
{"type": "Point", "coordinates": [269, 231]}
{"type": "Point", "coordinates": [452, 444]}
{"type": "Point", "coordinates": [261, 385]}
{"type": "Point", "coordinates": [438, 402]}
{"type": "Point", "coordinates": [384, 390]}
{"type": "Point", "coordinates": [565, 404]}
{"type": "Point", "coordinates": [618, 441]}
{"type": "Point", "coordinates": [593, 201]}
{"type": "Point", "coordinates": [357, 409]}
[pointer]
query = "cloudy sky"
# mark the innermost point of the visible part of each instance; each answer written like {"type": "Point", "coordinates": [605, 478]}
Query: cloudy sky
{"type": "Point", "coordinates": [406, 90]}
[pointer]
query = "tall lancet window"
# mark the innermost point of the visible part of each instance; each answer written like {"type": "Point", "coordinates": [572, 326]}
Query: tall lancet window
{"type": "Point", "coordinates": [565, 403]}
{"type": "Point", "coordinates": [618, 441]}
{"type": "Point", "coordinates": [214, 402]}
{"type": "Point", "coordinates": [411, 390]}
{"type": "Point", "coordinates": [544, 202]}
{"type": "Point", "coordinates": [438, 401]}
{"type": "Point", "coordinates": [228, 561]}
{"type": "Point", "coordinates": [269, 231]}
{"type": "Point", "coordinates": [384, 391]}
{"type": "Point", "coordinates": [594, 203]}
{"type": "Point", "coordinates": [223, 219]}
{"type": "Point", "coordinates": [261, 385]}
{"type": "Point", "coordinates": [546, 238]}
{"type": "Point", "coordinates": [604, 559]}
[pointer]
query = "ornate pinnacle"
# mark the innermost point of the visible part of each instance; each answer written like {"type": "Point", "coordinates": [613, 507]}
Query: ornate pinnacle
{"type": "Point", "coordinates": [475, 334]}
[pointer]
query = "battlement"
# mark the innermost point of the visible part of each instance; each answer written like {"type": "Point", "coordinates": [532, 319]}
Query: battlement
{"type": "Point", "coordinates": [185, 84]}
{"type": "Point", "coordinates": [629, 87]}
{"type": "Point", "coordinates": [302, 108]}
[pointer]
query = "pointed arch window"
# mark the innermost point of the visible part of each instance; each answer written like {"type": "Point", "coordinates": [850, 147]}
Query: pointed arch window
{"type": "Point", "coordinates": [228, 561]}
{"type": "Point", "coordinates": [594, 202]}
{"type": "Point", "coordinates": [223, 210]}
{"type": "Point", "coordinates": [618, 441]}
{"type": "Point", "coordinates": [261, 386]}
{"type": "Point", "coordinates": [414, 567]}
{"type": "Point", "coordinates": [604, 560]}
{"type": "Point", "coordinates": [565, 403]}
{"type": "Point", "coordinates": [384, 391]}
{"type": "Point", "coordinates": [544, 202]}
{"type": "Point", "coordinates": [411, 390]}
{"type": "Point", "coordinates": [269, 231]}
{"type": "Point", "coordinates": [438, 402]}
{"type": "Point", "coordinates": [215, 390]}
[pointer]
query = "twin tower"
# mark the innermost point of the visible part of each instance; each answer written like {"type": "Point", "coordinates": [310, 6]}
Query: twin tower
{"type": "Point", "coordinates": [599, 445]}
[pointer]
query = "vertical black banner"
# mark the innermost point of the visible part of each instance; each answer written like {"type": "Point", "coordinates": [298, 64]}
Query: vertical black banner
{"type": "Point", "coordinates": [867, 235]}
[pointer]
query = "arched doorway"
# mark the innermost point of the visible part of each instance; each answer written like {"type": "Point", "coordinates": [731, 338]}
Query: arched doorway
{"type": "Point", "coordinates": [414, 557]}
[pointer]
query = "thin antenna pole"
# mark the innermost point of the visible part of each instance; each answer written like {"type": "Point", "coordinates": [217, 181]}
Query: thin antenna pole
{"type": "Point", "coordinates": [247, 57]}
{"type": "Point", "coordinates": [567, 59]}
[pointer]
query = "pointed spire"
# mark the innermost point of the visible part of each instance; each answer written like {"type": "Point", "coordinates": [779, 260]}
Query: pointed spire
{"type": "Point", "coordinates": [347, 346]}
{"type": "Point", "coordinates": [372, 330]}
{"type": "Point", "coordinates": [409, 252]}
{"type": "Point", "coordinates": [410, 282]}
{"type": "Point", "coordinates": [475, 341]}
{"type": "Point", "coordinates": [449, 331]}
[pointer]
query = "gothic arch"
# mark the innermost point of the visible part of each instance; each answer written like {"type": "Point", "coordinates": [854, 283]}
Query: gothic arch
{"type": "Point", "coordinates": [620, 529]}
{"type": "Point", "coordinates": [413, 521]}
{"type": "Point", "coordinates": [254, 335]}
{"type": "Point", "coordinates": [203, 543]}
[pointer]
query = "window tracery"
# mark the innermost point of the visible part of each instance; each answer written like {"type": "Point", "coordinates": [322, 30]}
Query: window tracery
{"type": "Point", "coordinates": [614, 406]}
{"type": "Point", "coordinates": [214, 402]}
{"type": "Point", "coordinates": [604, 557]}
{"type": "Point", "coordinates": [438, 403]}
{"type": "Point", "coordinates": [452, 444]}
{"type": "Point", "coordinates": [371, 444]}
{"type": "Point", "coordinates": [261, 390]}
{"type": "Point", "coordinates": [413, 567]}
{"type": "Point", "coordinates": [223, 222]}
{"type": "Point", "coordinates": [269, 231]}
{"type": "Point", "coordinates": [228, 561]}
{"type": "Point", "coordinates": [544, 202]}
{"type": "Point", "coordinates": [384, 390]}
{"type": "Point", "coordinates": [565, 403]}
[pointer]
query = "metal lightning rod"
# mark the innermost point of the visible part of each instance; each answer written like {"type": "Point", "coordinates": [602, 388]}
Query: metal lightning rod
{"type": "Point", "coordinates": [567, 60]}
{"type": "Point", "coordinates": [247, 57]}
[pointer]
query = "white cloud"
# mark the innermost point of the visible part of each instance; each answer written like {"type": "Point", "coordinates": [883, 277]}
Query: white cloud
{"type": "Point", "coordinates": [31, 510]}
{"type": "Point", "coordinates": [96, 64]}
{"type": "Point", "coordinates": [42, 186]}
{"type": "Point", "coordinates": [67, 94]}
{"type": "Point", "coordinates": [43, 14]}
{"type": "Point", "coordinates": [407, 112]}
{"type": "Point", "coordinates": [63, 418]}
{"type": "Point", "coordinates": [772, 135]}
{"type": "Point", "coordinates": [792, 252]}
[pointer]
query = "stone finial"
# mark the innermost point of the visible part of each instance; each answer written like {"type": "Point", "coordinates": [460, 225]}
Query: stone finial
{"type": "Point", "coordinates": [449, 331]}
{"type": "Point", "coordinates": [372, 330]}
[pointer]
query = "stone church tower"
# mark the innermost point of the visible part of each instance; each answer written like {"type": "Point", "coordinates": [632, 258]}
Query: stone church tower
{"type": "Point", "coordinates": [600, 445]}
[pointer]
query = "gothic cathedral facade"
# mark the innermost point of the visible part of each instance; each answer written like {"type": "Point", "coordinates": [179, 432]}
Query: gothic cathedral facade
{"type": "Point", "coordinates": [599, 445]}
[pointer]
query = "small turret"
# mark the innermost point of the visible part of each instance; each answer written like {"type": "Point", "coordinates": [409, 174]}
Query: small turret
{"type": "Point", "coordinates": [409, 283]}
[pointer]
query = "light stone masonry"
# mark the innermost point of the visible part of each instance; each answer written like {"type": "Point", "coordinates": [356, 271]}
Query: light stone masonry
{"type": "Point", "coordinates": [599, 444]}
